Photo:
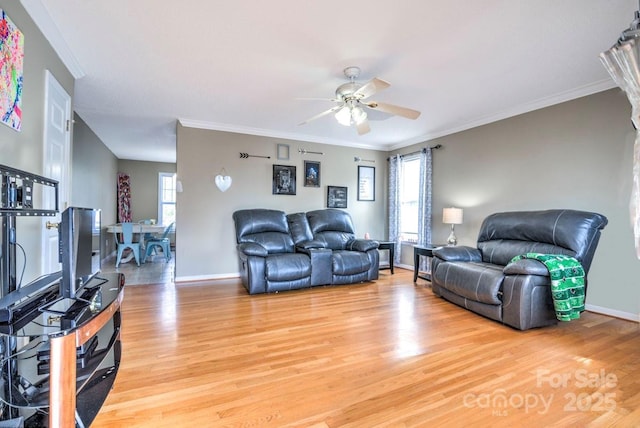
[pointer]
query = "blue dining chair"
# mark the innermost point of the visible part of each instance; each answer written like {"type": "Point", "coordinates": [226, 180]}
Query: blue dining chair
{"type": "Point", "coordinates": [127, 242]}
{"type": "Point", "coordinates": [147, 235]}
{"type": "Point", "coordinates": [163, 242]}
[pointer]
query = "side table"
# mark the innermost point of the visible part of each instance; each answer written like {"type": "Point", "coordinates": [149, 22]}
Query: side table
{"type": "Point", "coordinates": [391, 247]}
{"type": "Point", "coordinates": [422, 250]}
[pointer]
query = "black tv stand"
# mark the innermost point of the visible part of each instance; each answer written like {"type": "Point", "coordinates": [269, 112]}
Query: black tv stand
{"type": "Point", "coordinates": [75, 361]}
{"type": "Point", "coordinates": [79, 346]}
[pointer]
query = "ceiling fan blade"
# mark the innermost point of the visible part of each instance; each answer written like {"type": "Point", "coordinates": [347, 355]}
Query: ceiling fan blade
{"type": "Point", "coordinates": [316, 99]}
{"type": "Point", "coordinates": [371, 87]}
{"type": "Point", "coordinates": [363, 127]}
{"type": "Point", "coordinates": [393, 109]}
{"type": "Point", "coordinates": [324, 113]}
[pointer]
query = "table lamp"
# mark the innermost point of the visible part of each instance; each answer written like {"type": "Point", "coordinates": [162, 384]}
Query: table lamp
{"type": "Point", "coordinates": [452, 216]}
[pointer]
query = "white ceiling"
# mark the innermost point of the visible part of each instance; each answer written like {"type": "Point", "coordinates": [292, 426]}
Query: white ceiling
{"type": "Point", "coordinates": [242, 65]}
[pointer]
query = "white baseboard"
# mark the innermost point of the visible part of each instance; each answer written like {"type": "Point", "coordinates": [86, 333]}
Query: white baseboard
{"type": "Point", "coordinates": [207, 277]}
{"type": "Point", "coordinates": [612, 313]}
{"type": "Point", "coordinates": [232, 275]}
{"type": "Point", "coordinates": [407, 267]}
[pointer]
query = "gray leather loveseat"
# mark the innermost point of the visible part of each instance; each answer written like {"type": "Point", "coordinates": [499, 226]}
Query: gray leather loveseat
{"type": "Point", "coordinates": [277, 252]}
{"type": "Point", "coordinates": [518, 294]}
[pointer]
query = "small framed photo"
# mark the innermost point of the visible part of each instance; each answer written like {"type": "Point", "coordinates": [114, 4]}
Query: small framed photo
{"type": "Point", "coordinates": [282, 152]}
{"type": "Point", "coordinates": [311, 174]}
{"type": "Point", "coordinates": [336, 197]}
{"type": "Point", "coordinates": [366, 183]}
{"type": "Point", "coordinates": [284, 180]}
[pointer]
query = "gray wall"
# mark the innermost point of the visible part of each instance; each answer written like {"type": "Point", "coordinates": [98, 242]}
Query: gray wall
{"type": "Point", "coordinates": [93, 180]}
{"type": "Point", "coordinates": [24, 149]}
{"type": "Point", "coordinates": [573, 155]}
{"type": "Point", "coordinates": [205, 238]}
{"type": "Point", "coordinates": [144, 186]}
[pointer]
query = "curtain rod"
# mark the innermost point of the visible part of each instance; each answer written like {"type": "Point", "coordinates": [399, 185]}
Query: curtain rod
{"type": "Point", "coordinates": [436, 147]}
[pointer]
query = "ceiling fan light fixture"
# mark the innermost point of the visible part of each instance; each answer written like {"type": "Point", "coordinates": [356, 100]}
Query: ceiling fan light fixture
{"type": "Point", "coordinates": [343, 116]}
{"type": "Point", "coordinates": [358, 115]}
{"type": "Point", "coordinates": [352, 100]}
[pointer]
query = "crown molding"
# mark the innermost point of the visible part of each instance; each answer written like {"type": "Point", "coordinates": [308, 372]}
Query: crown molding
{"type": "Point", "coordinates": [40, 15]}
{"type": "Point", "coordinates": [582, 91]}
{"type": "Point", "coordinates": [538, 104]}
{"type": "Point", "coordinates": [214, 126]}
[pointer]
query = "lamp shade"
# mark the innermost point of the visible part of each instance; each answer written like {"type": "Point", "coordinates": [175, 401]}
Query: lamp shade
{"type": "Point", "coordinates": [452, 215]}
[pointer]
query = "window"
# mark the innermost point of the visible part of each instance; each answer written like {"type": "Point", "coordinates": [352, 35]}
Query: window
{"type": "Point", "coordinates": [409, 197]}
{"type": "Point", "coordinates": [166, 198]}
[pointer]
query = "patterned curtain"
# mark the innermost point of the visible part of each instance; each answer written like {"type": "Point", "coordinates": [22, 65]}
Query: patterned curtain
{"type": "Point", "coordinates": [394, 204]}
{"type": "Point", "coordinates": [124, 198]}
{"type": "Point", "coordinates": [424, 203]}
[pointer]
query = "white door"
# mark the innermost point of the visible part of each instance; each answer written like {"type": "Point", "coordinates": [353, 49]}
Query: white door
{"type": "Point", "coordinates": [57, 162]}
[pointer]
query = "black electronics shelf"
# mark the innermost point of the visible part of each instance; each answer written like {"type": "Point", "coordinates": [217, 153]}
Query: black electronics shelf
{"type": "Point", "coordinates": [43, 393]}
{"type": "Point", "coordinates": [56, 368]}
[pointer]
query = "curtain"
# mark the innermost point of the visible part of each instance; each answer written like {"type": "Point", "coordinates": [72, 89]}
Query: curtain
{"type": "Point", "coordinates": [424, 204]}
{"type": "Point", "coordinates": [622, 63]}
{"type": "Point", "coordinates": [124, 198]}
{"type": "Point", "coordinates": [394, 205]}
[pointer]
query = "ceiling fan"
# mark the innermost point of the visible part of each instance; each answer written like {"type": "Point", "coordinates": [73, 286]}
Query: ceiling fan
{"type": "Point", "coordinates": [352, 102]}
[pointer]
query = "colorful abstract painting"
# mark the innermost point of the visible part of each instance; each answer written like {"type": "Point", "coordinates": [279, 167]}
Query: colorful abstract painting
{"type": "Point", "coordinates": [11, 59]}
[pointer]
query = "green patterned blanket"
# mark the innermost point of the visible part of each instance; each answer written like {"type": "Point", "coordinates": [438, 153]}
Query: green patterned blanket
{"type": "Point", "coordinates": [567, 283]}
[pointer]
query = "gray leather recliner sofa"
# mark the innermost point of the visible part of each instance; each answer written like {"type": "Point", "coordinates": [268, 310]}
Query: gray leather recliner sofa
{"type": "Point", "coordinates": [277, 252]}
{"type": "Point", "coordinates": [518, 294]}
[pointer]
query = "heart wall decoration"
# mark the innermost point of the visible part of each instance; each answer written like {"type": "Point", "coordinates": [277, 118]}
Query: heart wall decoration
{"type": "Point", "coordinates": [223, 182]}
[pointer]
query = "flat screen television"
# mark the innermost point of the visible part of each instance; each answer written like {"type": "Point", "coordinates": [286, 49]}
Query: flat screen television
{"type": "Point", "coordinates": [78, 254]}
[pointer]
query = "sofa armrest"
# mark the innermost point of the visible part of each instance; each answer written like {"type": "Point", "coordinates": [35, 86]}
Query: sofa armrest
{"type": "Point", "coordinates": [363, 245]}
{"type": "Point", "coordinates": [458, 254]}
{"type": "Point", "coordinates": [308, 245]}
{"type": "Point", "coordinates": [252, 249]}
{"type": "Point", "coordinates": [526, 267]}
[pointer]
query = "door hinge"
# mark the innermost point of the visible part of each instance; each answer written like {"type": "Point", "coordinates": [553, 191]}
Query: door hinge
{"type": "Point", "coordinates": [68, 125]}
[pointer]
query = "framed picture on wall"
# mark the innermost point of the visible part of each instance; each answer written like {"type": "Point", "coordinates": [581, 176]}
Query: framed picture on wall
{"type": "Point", "coordinates": [311, 174]}
{"type": "Point", "coordinates": [366, 183]}
{"type": "Point", "coordinates": [282, 152]}
{"type": "Point", "coordinates": [284, 180]}
{"type": "Point", "coordinates": [336, 197]}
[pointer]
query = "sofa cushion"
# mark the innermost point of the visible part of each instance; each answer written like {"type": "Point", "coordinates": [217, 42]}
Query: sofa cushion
{"type": "Point", "coordinates": [331, 226]}
{"type": "Point", "coordinates": [577, 232]}
{"type": "Point", "coordinates": [362, 245]}
{"type": "Point", "coordinates": [274, 242]}
{"type": "Point", "coordinates": [299, 228]}
{"type": "Point", "coordinates": [501, 251]}
{"type": "Point", "coordinates": [249, 222]}
{"type": "Point", "coordinates": [481, 282]}
{"type": "Point", "coordinates": [526, 267]}
{"type": "Point", "coordinates": [350, 262]}
{"type": "Point", "coordinates": [333, 239]}
{"type": "Point", "coordinates": [287, 267]}
{"type": "Point", "coordinates": [268, 228]}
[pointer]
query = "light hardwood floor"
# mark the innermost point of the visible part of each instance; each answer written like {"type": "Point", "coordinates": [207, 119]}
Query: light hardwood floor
{"type": "Point", "coordinates": [387, 353]}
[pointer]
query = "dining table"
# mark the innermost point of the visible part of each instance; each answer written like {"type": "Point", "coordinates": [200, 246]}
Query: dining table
{"type": "Point", "coordinates": [138, 229]}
